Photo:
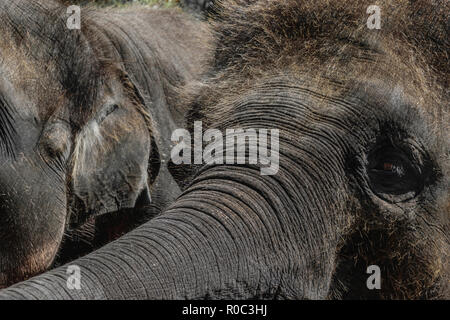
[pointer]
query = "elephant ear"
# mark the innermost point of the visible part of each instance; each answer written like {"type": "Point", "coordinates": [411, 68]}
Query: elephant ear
{"type": "Point", "coordinates": [111, 155]}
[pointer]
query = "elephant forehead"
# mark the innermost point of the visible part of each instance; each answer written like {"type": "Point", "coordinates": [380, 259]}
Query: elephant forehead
{"type": "Point", "coordinates": [375, 93]}
{"type": "Point", "coordinates": [323, 95]}
{"type": "Point", "coordinates": [30, 86]}
{"type": "Point", "coordinates": [34, 62]}
{"type": "Point", "coordinates": [361, 108]}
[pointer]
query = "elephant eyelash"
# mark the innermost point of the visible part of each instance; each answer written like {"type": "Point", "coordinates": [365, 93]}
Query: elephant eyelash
{"type": "Point", "coordinates": [7, 130]}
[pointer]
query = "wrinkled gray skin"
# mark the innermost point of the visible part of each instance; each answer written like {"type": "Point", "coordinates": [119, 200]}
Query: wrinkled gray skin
{"type": "Point", "coordinates": [85, 121]}
{"type": "Point", "coordinates": [364, 168]}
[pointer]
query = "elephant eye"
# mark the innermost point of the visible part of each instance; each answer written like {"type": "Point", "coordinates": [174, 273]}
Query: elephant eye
{"type": "Point", "coordinates": [390, 167]}
{"type": "Point", "coordinates": [393, 175]}
{"type": "Point", "coordinates": [55, 141]}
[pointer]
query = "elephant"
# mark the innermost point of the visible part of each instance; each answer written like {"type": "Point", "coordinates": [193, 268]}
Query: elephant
{"type": "Point", "coordinates": [363, 172]}
{"type": "Point", "coordinates": [85, 116]}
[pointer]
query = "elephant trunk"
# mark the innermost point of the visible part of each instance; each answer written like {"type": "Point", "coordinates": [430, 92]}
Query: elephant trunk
{"type": "Point", "coordinates": [232, 234]}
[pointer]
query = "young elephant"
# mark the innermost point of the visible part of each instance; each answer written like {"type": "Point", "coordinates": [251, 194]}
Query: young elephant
{"type": "Point", "coordinates": [85, 122]}
{"type": "Point", "coordinates": [363, 179]}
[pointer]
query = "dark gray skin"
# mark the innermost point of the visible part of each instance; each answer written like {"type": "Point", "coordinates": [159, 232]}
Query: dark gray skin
{"type": "Point", "coordinates": [85, 119]}
{"type": "Point", "coordinates": [364, 167]}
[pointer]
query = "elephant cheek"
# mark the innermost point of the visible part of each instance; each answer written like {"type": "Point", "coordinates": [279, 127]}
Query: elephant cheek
{"type": "Point", "coordinates": [29, 248]}
{"type": "Point", "coordinates": [109, 177]}
{"type": "Point", "coordinates": [31, 264]}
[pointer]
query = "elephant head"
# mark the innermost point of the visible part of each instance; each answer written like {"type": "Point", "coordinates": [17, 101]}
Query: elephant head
{"type": "Point", "coordinates": [363, 175]}
{"type": "Point", "coordinates": [75, 136]}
